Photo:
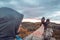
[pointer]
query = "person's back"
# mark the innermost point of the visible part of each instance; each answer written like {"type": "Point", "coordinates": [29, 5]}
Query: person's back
{"type": "Point", "coordinates": [9, 23]}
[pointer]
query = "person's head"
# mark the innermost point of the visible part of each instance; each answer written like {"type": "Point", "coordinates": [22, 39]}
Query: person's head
{"type": "Point", "coordinates": [43, 19]}
{"type": "Point", "coordinates": [48, 21]}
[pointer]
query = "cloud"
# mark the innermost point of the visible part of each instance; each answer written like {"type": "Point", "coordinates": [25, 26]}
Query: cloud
{"type": "Point", "coordinates": [1, 3]}
{"type": "Point", "coordinates": [31, 2]}
{"type": "Point", "coordinates": [35, 8]}
{"type": "Point", "coordinates": [56, 13]}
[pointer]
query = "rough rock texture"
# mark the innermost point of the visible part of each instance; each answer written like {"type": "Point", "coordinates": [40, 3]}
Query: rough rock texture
{"type": "Point", "coordinates": [27, 28]}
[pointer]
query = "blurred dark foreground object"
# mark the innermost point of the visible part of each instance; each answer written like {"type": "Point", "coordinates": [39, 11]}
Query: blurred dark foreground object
{"type": "Point", "coordinates": [9, 23]}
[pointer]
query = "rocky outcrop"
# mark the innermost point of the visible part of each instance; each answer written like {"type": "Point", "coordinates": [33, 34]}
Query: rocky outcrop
{"type": "Point", "coordinates": [28, 28]}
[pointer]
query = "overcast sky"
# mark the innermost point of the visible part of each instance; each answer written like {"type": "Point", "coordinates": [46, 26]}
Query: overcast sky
{"type": "Point", "coordinates": [35, 8]}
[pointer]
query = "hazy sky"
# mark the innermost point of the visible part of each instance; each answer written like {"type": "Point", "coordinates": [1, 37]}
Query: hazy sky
{"type": "Point", "coordinates": [35, 8]}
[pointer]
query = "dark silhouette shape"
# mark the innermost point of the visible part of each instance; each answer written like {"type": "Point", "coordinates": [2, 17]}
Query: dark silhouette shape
{"type": "Point", "coordinates": [42, 21]}
{"type": "Point", "coordinates": [9, 23]}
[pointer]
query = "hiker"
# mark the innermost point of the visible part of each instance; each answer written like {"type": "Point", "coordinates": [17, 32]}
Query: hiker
{"type": "Point", "coordinates": [42, 21]}
{"type": "Point", "coordinates": [49, 31]}
{"type": "Point", "coordinates": [47, 23]}
{"type": "Point", "coordinates": [9, 23]}
{"type": "Point", "coordinates": [45, 29]}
